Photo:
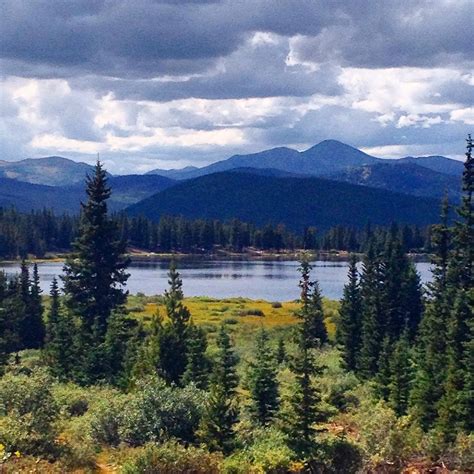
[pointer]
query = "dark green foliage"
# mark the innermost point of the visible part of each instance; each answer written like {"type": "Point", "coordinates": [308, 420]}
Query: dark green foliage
{"type": "Point", "coordinates": [197, 363]}
{"type": "Point", "coordinates": [280, 353]}
{"type": "Point", "coordinates": [221, 412]}
{"type": "Point", "coordinates": [174, 334]}
{"type": "Point", "coordinates": [34, 337]}
{"type": "Point", "coordinates": [94, 279]}
{"type": "Point", "coordinates": [301, 202]}
{"type": "Point", "coordinates": [349, 328]}
{"type": "Point", "coordinates": [372, 315]}
{"type": "Point", "coordinates": [311, 312]}
{"type": "Point", "coordinates": [263, 383]}
{"type": "Point", "coordinates": [95, 273]}
{"type": "Point", "coordinates": [401, 375]}
{"type": "Point", "coordinates": [60, 331]}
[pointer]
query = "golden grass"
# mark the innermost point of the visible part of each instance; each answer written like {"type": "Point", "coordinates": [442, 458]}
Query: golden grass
{"type": "Point", "coordinates": [234, 311]}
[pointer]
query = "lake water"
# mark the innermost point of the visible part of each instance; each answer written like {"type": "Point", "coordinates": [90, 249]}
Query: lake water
{"type": "Point", "coordinates": [270, 280]}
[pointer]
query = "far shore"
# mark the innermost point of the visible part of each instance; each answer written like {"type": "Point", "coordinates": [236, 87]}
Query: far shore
{"type": "Point", "coordinates": [138, 255]}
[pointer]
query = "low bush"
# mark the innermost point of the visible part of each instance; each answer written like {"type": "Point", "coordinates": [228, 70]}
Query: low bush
{"type": "Point", "coordinates": [277, 305]}
{"type": "Point", "coordinates": [171, 458]}
{"type": "Point", "coordinates": [231, 321]}
{"type": "Point", "coordinates": [251, 312]}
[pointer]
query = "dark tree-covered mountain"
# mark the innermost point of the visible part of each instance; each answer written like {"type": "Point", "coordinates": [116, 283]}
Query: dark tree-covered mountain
{"type": "Point", "coordinates": [127, 190]}
{"type": "Point", "coordinates": [297, 202]}
{"type": "Point", "coordinates": [406, 177]}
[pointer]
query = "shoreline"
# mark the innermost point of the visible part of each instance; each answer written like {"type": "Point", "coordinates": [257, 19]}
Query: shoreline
{"type": "Point", "coordinates": [137, 256]}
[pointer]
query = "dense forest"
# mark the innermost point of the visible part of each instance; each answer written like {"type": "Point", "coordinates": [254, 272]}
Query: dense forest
{"type": "Point", "coordinates": [383, 380]}
{"type": "Point", "coordinates": [41, 232]}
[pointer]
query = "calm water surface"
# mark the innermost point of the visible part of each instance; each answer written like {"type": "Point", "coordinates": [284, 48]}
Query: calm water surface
{"type": "Point", "coordinates": [269, 280]}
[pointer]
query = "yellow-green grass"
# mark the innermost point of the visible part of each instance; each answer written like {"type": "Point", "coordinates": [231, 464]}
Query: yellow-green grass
{"type": "Point", "coordinates": [244, 315]}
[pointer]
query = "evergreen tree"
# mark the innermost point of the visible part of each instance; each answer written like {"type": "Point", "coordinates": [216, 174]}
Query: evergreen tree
{"type": "Point", "coordinates": [401, 375]}
{"type": "Point", "coordinates": [349, 328]}
{"type": "Point", "coordinates": [60, 350]}
{"type": "Point", "coordinates": [34, 338]}
{"type": "Point", "coordinates": [431, 356]}
{"type": "Point", "coordinates": [221, 413]}
{"type": "Point", "coordinates": [197, 365]}
{"type": "Point", "coordinates": [372, 314]}
{"type": "Point", "coordinates": [173, 336]}
{"type": "Point", "coordinates": [311, 311]}
{"type": "Point", "coordinates": [95, 272]}
{"type": "Point", "coordinates": [280, 354]}
{"type": "Point", "coordinates": [263, 383]}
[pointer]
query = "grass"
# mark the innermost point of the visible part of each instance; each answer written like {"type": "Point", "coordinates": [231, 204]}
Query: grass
{"type": "Point", "coordinates": [246, 316]}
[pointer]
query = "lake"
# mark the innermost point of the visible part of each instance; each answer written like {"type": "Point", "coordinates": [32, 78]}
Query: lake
{"type": "Point", "coordinates": [274, 280]}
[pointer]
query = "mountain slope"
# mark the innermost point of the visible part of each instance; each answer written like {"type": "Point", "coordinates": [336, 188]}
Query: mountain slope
{"type": "Point", "coordinates": [296, 202]}
{"type": "Point", "coordinates": [441, 164]}
{"type": "Point", "coordinates": [27, 196]}
{"type": "Point", "coordinates": [408, 178]}
{"type": "Point", "coordinates": [126, 190]}
{"type": "Point", "coordinates": [51, 171]}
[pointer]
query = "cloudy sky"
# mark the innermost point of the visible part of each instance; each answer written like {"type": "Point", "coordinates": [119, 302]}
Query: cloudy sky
{"type": "Point", "coordinates": [149, 83]}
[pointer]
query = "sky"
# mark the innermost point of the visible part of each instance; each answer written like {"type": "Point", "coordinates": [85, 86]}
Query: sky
{"type": "Point", "coordinates": [165, 84]}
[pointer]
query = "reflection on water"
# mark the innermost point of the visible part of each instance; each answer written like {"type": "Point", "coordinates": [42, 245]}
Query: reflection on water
{"type": "Point", "coordinates": [270, 280]}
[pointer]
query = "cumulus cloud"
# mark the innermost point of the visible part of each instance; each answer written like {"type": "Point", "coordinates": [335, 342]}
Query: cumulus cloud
{"type": "Point", "coordinates": [164, 83]}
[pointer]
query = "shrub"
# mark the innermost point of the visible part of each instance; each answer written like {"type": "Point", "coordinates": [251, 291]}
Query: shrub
{"type": "Point", "coordinates": [337, 454]}
{"type": "Point", "coordinates": [267, 453]}
{"type": "Point", "coordinates": [251, 312]}
{"type": "Point", "coordinates": [71, 399]}
{"type": "Point", "coordinates": [171, 458]}
{"type": "Point", "coordinates": [230, 321]}
{"type": "Point", "coordinates": [276, 305]}
{"type": "Point", "coordinates": [28, 413]}
{"type": "Point", "coordinates": [157, 411]}
{"type": "Point", "coordinates": [138, 308]}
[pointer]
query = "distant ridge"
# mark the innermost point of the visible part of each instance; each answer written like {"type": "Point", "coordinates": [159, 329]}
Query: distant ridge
{"type": "Point", "coordinates": [296, 202]}
{"type": "Point", "coordinates": [324, 159]}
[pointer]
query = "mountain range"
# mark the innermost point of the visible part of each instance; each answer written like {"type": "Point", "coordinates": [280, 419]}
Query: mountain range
{"type": "Point", "coordinates": [341, 183]}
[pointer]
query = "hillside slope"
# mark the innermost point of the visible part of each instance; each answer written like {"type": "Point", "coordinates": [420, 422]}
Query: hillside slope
{"type": "Point", "coordinates": [296, 202]}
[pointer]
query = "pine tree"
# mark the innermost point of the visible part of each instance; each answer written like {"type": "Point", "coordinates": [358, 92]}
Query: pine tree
{"type": "Point", "coordinates": [349, 328]}
{"type": "Point", "coordinates": [430, 358]}
{"type": "Point", "coordinates": [263, 383]}
{"type": "Point", "coordinates": [280, 353]}
{"type": "Point", "coordinates": [95, 272]}
{"type": "Point", "coordinates": [173, 336]}
{"type": "Point", "coordinates": [401, 375]}
{"type": "Point", "coordinates": [311, 311]}
{"type": "Point", "coordinates": [36, 332]}
{"type": "Point", "coordinates": [372, 315]}
{"type": "Point", "coordinates": [60, 350]}
{"type": "Point", "coordinates": [221, 413]}
{"type": "Point", "coordinates": [197, 364]}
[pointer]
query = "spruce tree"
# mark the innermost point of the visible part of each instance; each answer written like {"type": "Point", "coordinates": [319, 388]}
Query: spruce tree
{"type": "Point", "coordinates": [174, 334]}
{"type": "Point", "coordinates": [95, 272]}
{"type": "Point", "coordinates": [372, 314]}
{"type": "Point", "coordinates": [349, 329]}
{"type": "Point", "coordinates": [431, 357]}
{"type": "Point", "coordinates": [311, 311]}
{"type": "Point", "coordinates": [263, 383]}
{"type": "Point", "coordinates": [197, 363]}
{"type": "Point", "coordinates": [60, 350]}
{"type": "Point", "coordinates": [36, 331]}
{"type": "Point", "coordinates": [401, 375]}
{"type": "Point", "coordinates": [280, 353]}
{"type": "Point", "coordinates": [221, 413]}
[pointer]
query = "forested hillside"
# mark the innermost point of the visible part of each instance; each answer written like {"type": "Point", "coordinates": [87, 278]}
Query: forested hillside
{"type": "Point", "coordinates": [302, 202]}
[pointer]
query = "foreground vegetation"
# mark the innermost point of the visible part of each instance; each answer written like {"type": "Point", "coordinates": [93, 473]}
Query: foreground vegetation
{"type": "Point", "coordinates": [97, 380]}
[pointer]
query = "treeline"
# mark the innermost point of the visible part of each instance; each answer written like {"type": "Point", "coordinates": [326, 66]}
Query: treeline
{"type": "Point", "coordinates": [419, 352]}
{"type": "Point", "coordinates": [41, 231]}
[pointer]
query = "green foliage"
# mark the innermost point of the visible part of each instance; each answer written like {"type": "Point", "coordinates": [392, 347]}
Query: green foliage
{"type": "Point", "coordinates": [263, 383]}
{"type": "Point", "coordinates": [173, 458]}
{"type": "Point", "coordinates": [28, 414]}
{"type": "Point", "coordinates": [197, 365]}
{"type": "Point", "coordinates": [268, 451]}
